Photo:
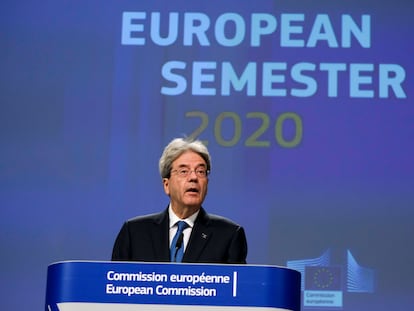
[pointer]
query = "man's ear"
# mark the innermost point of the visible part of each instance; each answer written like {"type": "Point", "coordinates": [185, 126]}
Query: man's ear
{"type": "Point", "coordinates": [165, 183]}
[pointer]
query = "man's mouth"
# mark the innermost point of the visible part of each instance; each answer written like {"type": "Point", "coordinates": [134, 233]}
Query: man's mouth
{"type": "Point", "coordinates": [192, 190]}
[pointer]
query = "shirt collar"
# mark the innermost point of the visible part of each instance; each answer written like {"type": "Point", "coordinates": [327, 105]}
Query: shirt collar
{"type": "Point", "coordinates": [174, 218]}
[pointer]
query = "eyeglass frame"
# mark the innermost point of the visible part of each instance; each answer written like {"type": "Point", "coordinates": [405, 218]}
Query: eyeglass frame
{"type": "Point", "coordinates": [184, 172]}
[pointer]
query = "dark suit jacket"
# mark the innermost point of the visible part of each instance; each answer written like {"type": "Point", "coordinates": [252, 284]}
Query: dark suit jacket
{"type": "Point", "coordinates": [214, 239]}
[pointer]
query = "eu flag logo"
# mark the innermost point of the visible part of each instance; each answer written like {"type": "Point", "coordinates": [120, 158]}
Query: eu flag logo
{"type": "Point", "coordinates": [323, 278]}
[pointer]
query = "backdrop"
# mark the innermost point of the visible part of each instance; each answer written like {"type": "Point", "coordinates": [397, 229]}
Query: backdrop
{"type": "Point", "coordinates": [305, 106]}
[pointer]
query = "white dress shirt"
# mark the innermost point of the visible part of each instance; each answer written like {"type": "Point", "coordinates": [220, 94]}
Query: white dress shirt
{"type": "Point", "coordinates": [173, 225]}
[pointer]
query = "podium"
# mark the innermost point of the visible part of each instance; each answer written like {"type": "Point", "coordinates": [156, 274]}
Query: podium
{"type": "Point", "coordinates": [128, 286]}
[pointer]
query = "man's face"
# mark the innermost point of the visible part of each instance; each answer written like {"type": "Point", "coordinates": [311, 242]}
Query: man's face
{"type": "Point", "coordinates": [186, 192]}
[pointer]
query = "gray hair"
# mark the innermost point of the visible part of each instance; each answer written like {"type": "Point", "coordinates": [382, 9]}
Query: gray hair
{"type": "Point", "coordinates": [176, 148]}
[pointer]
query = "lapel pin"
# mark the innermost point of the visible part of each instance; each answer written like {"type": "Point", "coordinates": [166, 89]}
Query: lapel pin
{"type": "Point", "coordinates": [204, 236]}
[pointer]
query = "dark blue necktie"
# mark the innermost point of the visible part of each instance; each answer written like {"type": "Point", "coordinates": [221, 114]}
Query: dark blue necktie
{"type": "Point", "coordinates": [177, 245]}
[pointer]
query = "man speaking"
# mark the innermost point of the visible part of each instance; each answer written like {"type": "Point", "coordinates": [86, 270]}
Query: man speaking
{"type": "Point", "coordinates": [184, 231]}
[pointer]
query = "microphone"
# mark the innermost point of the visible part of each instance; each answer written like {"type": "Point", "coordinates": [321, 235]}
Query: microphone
{"type": "Point", "coordinates": [178, 245]}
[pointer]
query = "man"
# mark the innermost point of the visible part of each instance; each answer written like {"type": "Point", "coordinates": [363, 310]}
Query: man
{"type": "Point", "coordinates": [184, 231]}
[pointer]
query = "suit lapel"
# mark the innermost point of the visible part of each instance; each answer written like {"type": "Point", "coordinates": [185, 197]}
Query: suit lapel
{"type": "Point", "coordinates": [160, 237]}
{"type": "Point", "coordinates": [200, 236]}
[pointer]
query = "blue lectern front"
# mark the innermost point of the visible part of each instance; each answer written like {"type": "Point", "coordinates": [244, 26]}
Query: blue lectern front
{"type": "Point", "coordinates": [127, 286]}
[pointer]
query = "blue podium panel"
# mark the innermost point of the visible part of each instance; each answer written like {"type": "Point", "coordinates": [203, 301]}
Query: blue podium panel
{"type": "Point", "coordinates": [127, 286]}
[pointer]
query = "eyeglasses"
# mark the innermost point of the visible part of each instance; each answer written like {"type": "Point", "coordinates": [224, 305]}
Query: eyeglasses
{"type": "Point", "coordinates": [184, 172]}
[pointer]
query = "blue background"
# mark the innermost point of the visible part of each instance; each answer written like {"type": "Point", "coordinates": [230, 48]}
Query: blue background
{"type": "Point", "coordinates": [83, 124]}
